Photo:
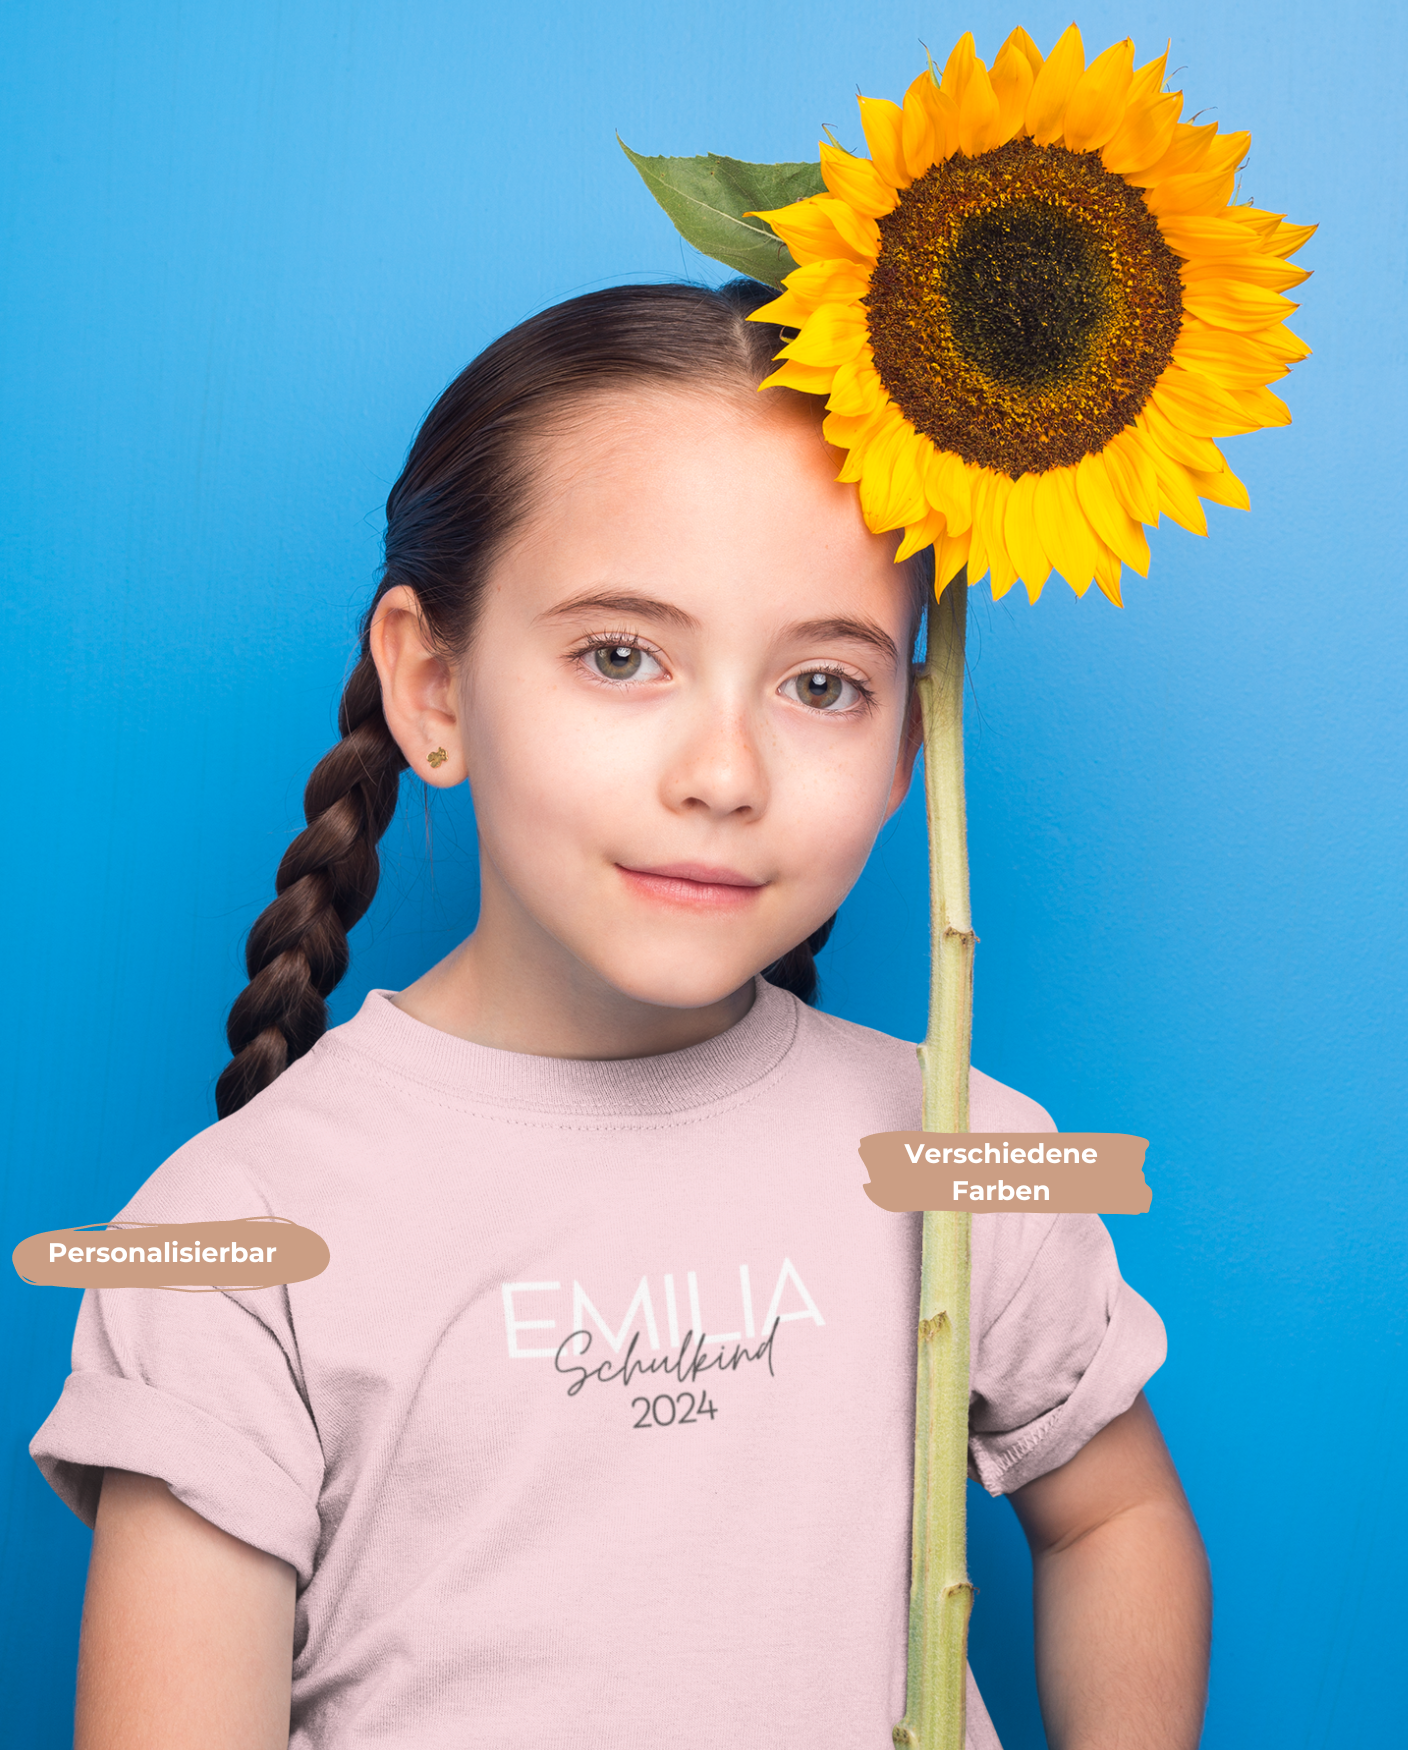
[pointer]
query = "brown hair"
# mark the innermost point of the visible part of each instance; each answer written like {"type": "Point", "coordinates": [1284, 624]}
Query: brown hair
{"type": "Point", "coordinates": [465, 487]}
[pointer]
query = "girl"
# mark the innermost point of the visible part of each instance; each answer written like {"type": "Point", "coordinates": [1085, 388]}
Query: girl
{"type": "Point", "coordinates": [597, 1430]}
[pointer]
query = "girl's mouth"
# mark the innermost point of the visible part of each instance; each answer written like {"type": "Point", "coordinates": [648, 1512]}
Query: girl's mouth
{"type": "Point", "coordinates": [702, 885]}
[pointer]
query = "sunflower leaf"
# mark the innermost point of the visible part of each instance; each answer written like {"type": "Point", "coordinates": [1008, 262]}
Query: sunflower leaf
{"type": "Point", "coordinates": [707, 198]}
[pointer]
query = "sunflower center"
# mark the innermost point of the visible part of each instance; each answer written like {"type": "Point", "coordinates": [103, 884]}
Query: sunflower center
{"type": "Point", "coordinates": [1028, 292]}
{"type": "Point", "coordinates": [1023, 306]}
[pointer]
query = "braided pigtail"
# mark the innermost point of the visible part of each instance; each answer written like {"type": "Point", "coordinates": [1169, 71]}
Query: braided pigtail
{"type": "Point", "coordinates": [297, 950]}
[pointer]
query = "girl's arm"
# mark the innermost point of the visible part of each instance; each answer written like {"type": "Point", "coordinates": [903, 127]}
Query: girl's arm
{"type": "Point", "coordinates": [1123, 1599]}
{"type": "Point", "coordinates": [187, 1632]}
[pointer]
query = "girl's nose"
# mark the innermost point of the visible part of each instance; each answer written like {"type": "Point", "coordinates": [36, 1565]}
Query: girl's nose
{"type": "Point", "coordinates": [717, 767]}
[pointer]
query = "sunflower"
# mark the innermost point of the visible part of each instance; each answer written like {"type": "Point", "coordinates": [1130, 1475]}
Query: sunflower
{"type": "Point", "coordinates": [1033, 309]}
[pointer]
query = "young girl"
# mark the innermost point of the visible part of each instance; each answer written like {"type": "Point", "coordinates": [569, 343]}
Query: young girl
{"type": "Point", "coordinates": [598, 1428]}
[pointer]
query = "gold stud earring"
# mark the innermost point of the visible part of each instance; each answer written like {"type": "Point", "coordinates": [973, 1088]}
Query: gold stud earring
{"type": "Point", "coordinates": [437, 758]}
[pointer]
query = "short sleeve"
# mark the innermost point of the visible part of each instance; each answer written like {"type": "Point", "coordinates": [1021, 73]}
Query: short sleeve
{"type": "Point", "coordinates": [202, 1388]}
{"type": "Point", "coordinates": [199, 1390]}
{"type": "Point", "coordinates": [1061, 1343]}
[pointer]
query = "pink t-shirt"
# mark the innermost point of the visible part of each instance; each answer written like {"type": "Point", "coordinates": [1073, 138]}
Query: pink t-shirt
{"type": "Point", "coordinates": [506, 1534]}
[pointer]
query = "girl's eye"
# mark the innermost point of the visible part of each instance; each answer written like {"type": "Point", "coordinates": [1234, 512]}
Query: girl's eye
{"type": "Point", "coordinates": [823, 690]}
{"type": "Point", "coordinates": [623, 662]}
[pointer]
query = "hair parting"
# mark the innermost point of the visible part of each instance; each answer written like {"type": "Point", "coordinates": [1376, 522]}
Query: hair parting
{"type": "Point", "coordinates": [466, 487]}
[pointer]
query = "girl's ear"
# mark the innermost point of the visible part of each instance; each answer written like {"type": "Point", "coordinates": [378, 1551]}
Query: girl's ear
{"type": "Point", "coordinates": [910, 744]}
{"type": "Point", "coordinates": [419, 698]}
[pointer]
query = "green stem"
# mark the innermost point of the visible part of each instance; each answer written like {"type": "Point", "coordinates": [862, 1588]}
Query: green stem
{"type": "Point", "coordinates": [941, 1596]}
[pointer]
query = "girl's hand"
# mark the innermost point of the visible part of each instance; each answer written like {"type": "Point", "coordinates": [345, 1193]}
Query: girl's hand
{"type": "Point", "coordinates": [1123, 1599]}
{"type": "Point", "coordinates": [187, 1632]}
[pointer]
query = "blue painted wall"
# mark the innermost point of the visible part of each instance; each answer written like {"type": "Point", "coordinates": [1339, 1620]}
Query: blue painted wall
{"type": "Point", "coordinates": [243, 249]}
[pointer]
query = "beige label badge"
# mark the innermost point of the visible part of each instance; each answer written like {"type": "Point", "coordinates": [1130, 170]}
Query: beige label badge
{"type": "Point", "coordinates": [257, 1251]}
{"type": "Point", "coordinates": [1078, 1172]}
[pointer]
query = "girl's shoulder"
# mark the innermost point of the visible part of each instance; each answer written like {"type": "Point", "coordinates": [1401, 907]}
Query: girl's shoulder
{"type": "Point", "coordinates": [848, 1050]}
{"type": "Point", "coordinates": [295, 1137]}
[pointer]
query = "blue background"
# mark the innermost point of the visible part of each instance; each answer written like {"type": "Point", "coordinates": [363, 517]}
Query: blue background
{"type": "Point", "coordinates": [245, 246]}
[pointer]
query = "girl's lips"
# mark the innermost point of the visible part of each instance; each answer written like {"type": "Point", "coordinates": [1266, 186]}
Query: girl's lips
{"type": "Point", "coordinates": [696, 884]}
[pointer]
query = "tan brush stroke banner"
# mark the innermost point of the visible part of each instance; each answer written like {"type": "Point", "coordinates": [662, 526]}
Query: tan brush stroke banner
{"type": "Point", "coordinates": [1078, 1172]}
{"type": "Point", "coordinates": [257, 1251]}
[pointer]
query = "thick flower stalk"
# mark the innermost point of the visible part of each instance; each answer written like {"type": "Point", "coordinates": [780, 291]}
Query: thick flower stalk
{"type": "Point", "coordinates": [940, 1595]}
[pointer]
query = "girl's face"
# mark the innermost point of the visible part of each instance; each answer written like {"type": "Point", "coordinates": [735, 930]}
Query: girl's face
{"type": "Point", "coordinates": [686, 711]}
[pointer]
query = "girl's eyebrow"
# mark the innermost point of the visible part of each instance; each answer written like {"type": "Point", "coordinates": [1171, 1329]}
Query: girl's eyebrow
{"type": "Point", "coordinates": [644, 607]}
{"type": "Point", "coordinates": [857, 631]}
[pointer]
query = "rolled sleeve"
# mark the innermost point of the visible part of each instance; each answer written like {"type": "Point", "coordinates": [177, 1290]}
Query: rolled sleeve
{"type": "Point", "coordinates": [1061, 1344]}
{"type": "Point", "coordinates": [202, 1391]}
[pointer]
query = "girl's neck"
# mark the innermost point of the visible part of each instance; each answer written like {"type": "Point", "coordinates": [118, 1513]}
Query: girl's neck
{"type": "Point", "coordinates": [512, 986]}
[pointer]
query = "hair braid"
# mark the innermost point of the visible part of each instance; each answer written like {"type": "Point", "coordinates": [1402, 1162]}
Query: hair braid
{"type": "Point", "coordinates": [297, 949]}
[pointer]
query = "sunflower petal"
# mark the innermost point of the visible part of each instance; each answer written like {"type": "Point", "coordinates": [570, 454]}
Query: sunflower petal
{"type": "Point", "coordinates": [1054, 84]}
{"type": "Point", "coordinates": [891, 491]}
{"type": "Point", "coordinates": [1064, 528]}
{"type": "Point", "coordinates": [979, 118]}
{"type": "Point", "coordinates": [1224, 488]}
{"type": "Point", "coordinates": [829, 336]}
{"type": "Point", "coordinates": [1096, 105]}
{"type": "Point", "coordinates": [857, 182]}
{"type": "Point", "coordinates": [1143, 136]}
{"type": "Point", "coordinates": [1232, 361]}
{"type": "Point", "coordinates": [942, 113]}
{"type": "Point", "coordinates": [919, 535]}
{"type": "Point", "coordinates": [1200, 237]}
{"type": "Point", "coordinates": [1024, 542]}
{"type": "Point", "coordinates": [1257, 220]}
{"type": "Point", "coordinates": [1131, 471]}
{"type": "Point", "coordinates": [1267, 271]}
{"type": "Point", "coordinates": [847, 431]}
{"type": "Point", "coordinates": [1272, 347]}
{"type": "Point", "coordinates": [856, 390]}
{"type": "Point", "coordinates": [919, 132]}
{"type": "Point", "coordinates": [958, 67]}
{"type": "Point", "coordinates": [811, 379]}
{"type": "Point", "coordinates": [876, 483]}
{"type": "Point", "coordinates": [856, 434]}
{"type": "Point", "coordinates": [1149, 79]}
{"type": "Point", "coordinates": [853, 389]}
{"type": "Point", "coordinates": [1283, 343]}
{"type": "Point", "coordinates": [906, 503]}
{"type": "Point", "coordinates": [1025, 47]}
{"type": "Point", "coordinates": [859, 229]}
{"type": "Point", "coordinates": [1200, 406]}
{"type": "Point", "coordinates": [1288, 238]}
{"type": "Point", "coordinates": [788, 311]}
{"type": "Point", "coordinates": [828, 282]}
{"type": "Point", "coordinates": [1111, 521]}
{"type": "Point", "coordinates": [810, 231]}
{"type": "Point", "coordinates": [1187, 149]}
{"type": "Point", "coordinates": [986, 526]}
{"type": "Point", "coordinates": [950, 556]}
{"type": "Point", "coordinates": [949, 488]}
{"type": "Point", "coordinates": [882, 122]}
{"type": "Point", "coordinates": [1228, 303]}
{"type": "Point", "coordinates": [1177, 497]}
{"type": "Point", "coordinates": [1002, 573]}
{"type": "Point", "coordinates": [1228, 152]}
{"type": "Point", "coordinates": [1199, 193]}
{"type": "Point", "coordinates": [1107, 575]}
{"type": "Point", "coordinates": [1268, 407]}
{"type": "Point", "coordinates": [1162, 430]}
{"type": "Point", "coordinates": [1012, 79]}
